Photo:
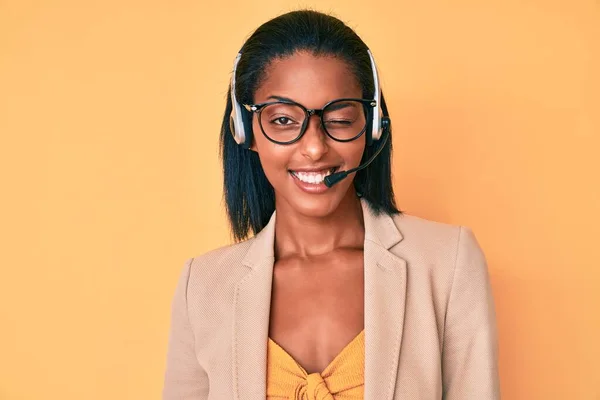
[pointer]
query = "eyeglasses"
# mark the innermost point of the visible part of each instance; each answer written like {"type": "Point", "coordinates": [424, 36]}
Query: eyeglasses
{"type": "Point", "coordinates": [284, 122]}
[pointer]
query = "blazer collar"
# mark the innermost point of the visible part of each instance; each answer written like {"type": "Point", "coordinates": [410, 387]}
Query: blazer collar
{"type": "Point", "coordinates": [385, 297]}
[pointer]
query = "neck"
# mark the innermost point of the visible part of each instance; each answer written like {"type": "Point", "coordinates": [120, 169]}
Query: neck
{"type": "Point", "coordinates": [298, 235]}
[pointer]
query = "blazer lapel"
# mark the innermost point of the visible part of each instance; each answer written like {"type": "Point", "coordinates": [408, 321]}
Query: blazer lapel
{"type": "Point", "coordinates": [252, 305]}
{"type": "Point", "coordinates": [385, 298]}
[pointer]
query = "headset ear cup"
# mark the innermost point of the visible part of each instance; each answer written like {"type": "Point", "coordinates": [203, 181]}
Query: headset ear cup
{"type": "Point", "coordinates": [236, 124]}
{"type": "Point", "coordinates": [376, 134]}
{"type": "Point", "coordinates": [232, 127]}
{"type": "Point", "coordinates": [247, 121]}
{"type": "Point", "coordinates": [386, 124]}
{"type": "Point", "coordinates": [377, 113]}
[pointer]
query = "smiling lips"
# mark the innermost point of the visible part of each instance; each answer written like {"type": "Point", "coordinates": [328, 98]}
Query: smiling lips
{"type": "Point", "coordinates": [312, 177]}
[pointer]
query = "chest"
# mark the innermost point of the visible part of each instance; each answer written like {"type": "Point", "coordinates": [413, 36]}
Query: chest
{"type": "Point", "coordinates": [317, 306]}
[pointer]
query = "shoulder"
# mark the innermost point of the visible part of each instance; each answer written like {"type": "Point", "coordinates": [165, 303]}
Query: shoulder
{"type": "Point", "coordinates": [213, 265]}
{"type": "Point", "coordinates": [425, 232]}
{"type": "Point", "coordinates": [434, 240]}
{"type": "Point", "coordinates": [212, 275]}
{"type": "Point", "coordinates": [413, 225]}
{"type": "Point", "coordinates": [224, 254]}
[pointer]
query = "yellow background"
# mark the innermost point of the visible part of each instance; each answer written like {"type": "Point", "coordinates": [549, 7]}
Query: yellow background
{"type": "Point", "coordinates": [109, 115]}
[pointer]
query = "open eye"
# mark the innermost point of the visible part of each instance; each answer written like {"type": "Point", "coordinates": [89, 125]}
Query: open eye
{"type": "Point", "coordinates": [282, 121]}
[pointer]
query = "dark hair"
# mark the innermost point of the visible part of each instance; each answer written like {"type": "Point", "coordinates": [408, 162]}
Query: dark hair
{"type": "Point", "coordinates": [249, 197]}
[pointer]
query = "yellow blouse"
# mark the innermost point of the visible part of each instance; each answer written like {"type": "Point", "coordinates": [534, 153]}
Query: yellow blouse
{"type": "Point", "coordinates": [342, 379]}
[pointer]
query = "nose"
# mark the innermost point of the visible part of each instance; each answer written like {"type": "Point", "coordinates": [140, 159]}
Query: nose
{"type": "Point", "coordinates": [314, 141]}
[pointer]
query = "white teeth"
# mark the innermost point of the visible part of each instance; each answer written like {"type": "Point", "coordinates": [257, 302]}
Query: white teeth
{"type": "Point", "coordinates": [315, 178]}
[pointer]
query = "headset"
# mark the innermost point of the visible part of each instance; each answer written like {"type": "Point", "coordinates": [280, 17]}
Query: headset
{"type": "Point", "coordinates": [240, 123]}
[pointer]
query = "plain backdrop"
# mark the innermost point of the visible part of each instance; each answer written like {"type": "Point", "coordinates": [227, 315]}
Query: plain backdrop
{"type": "Point", "coordinates": [109, 120]}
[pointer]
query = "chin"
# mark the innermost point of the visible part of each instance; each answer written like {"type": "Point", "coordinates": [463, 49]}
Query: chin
{"type": "Point", "coordinates": [315, 208]}
{"type": "Point", "coordinates": [317, 205]}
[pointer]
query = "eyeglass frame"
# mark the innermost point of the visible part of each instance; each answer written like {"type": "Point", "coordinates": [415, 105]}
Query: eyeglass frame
{"type": "Point", "coordinates": [309, 112]}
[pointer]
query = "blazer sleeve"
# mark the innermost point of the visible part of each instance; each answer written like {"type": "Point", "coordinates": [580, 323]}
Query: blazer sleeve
{"type": "Point", "coordinates": [184, 377]}
{"type": "Point", "coordinates": [470, 347]}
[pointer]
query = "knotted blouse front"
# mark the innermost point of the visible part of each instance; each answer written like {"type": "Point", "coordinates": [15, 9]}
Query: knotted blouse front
{"type": "Point", "coordinates": [342, 379]}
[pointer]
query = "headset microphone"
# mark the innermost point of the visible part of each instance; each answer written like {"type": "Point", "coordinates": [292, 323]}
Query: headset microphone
{"type": "Point", "coordinates": [334, 178]}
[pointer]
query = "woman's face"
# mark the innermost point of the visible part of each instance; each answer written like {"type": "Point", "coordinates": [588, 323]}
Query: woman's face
{"type": "Point", "coordinates": [293, 169]}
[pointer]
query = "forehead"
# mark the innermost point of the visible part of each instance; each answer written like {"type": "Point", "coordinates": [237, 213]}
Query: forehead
{"type": "Point", "coordinates": [308, 79]}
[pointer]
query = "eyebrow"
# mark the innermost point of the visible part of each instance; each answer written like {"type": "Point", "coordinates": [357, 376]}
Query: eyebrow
{"type": "Point", "coordinates": [281, 98]}
{"type": "Point", "coordinates": [339, 106]}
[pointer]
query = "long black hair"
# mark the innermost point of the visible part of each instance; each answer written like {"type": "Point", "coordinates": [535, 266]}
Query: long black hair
{"type": "Point", "coordinates": [249, 197]}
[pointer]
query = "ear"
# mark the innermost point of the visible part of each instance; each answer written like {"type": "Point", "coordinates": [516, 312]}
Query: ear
{"type": "Point", "coordinates": [253, 145]}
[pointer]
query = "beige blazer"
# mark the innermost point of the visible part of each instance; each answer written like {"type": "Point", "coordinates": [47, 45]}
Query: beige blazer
{"type": "Point", "coordinates": [430, 330]}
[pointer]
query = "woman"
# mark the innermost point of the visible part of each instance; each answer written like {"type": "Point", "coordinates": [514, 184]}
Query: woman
{"type": "Point", "coordinates": [338, 295]}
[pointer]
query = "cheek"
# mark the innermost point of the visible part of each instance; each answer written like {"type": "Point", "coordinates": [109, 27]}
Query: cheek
{"type": "Point", "coordinates": [352, 152]}
{"type": "Point", "coordinates": [259, 142]}
{"type": "Point", "coordinates": [273, 157]}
